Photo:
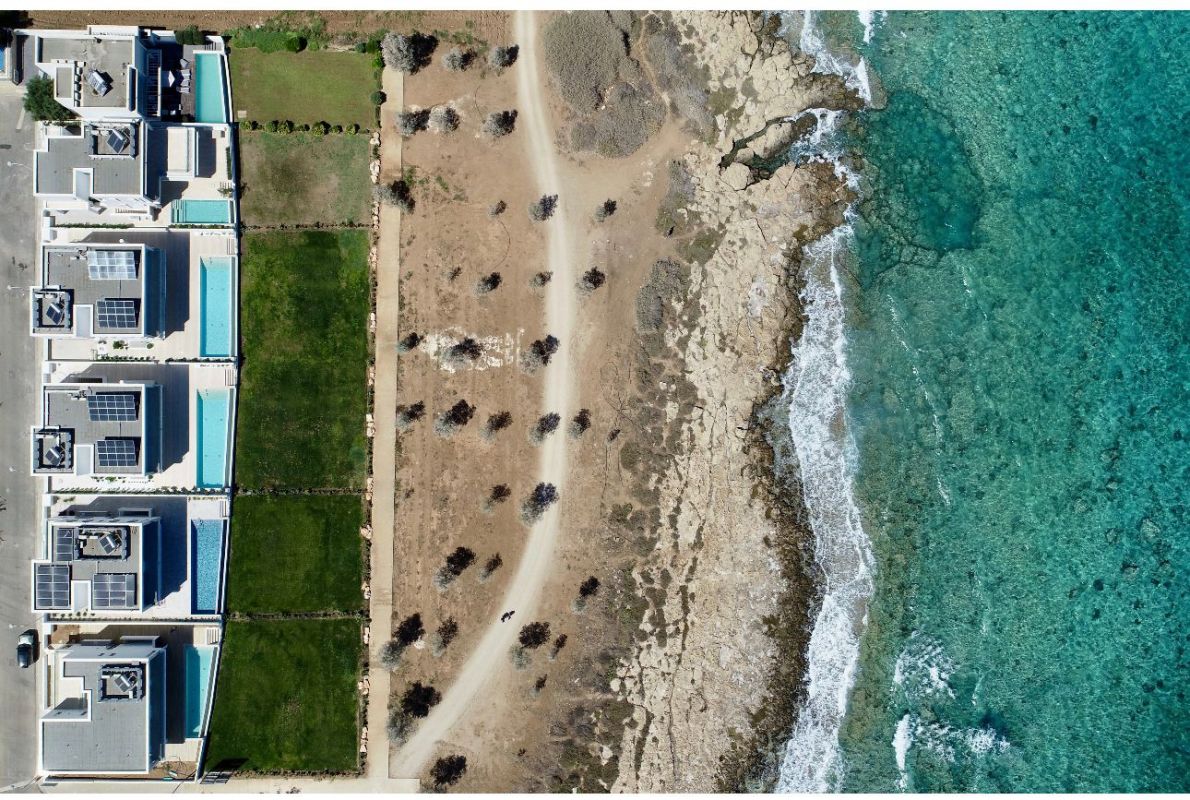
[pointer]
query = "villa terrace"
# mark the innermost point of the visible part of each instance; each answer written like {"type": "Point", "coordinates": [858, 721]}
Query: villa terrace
{"type": "Point", "coordinates": [99, 429]}
{"type": "Point", "coordinates": [107, 708]}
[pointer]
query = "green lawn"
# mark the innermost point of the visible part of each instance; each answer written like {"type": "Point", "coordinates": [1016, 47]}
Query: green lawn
{"type": "Point", "coordinates": [295, 553]}
{"type": "Point", "coordinates": [286, 696]}
{"type": "Point", "coordinates": [304, 299]}
{"type": "Point", "coordinates": [311, 86]}
{"type": "Point", "coordinates": [302, 179]}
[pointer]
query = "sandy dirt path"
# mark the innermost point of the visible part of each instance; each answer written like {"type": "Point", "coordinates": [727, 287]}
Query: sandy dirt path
{"type": "Point", "coordinates": [491, 654]}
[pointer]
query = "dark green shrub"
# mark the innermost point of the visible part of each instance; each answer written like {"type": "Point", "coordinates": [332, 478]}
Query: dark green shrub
{"type": "Point", "coordinates": [378, 97]}
{"type": "Point", "coordinates": [190, 35]}
{"type": "Point", "coordinates": [40, 102]}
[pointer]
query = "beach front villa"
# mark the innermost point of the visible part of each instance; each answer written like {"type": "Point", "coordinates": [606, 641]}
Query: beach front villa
{"type": "Point", "coordinates": [132, 558]}
{"type": "Point", "coordinates": [135, 308]}
{"type": "Point", "coordinates": [107, 708]}
{"type": "Point", "coordinates": [156, 293]}
{"type": "Point", "coordinates": [136, 172]}
{"type": "Point", "coordinates": [150, 426]}
{"type": "Point", "coordinates": [109, 72]}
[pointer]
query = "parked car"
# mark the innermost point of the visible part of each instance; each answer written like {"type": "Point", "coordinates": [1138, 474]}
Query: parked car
{"type": "Point", "coordinates": [26, 649]}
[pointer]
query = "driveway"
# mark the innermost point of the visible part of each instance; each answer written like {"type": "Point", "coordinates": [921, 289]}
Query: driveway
{"type": "Point", "coordinates": [19, 371]}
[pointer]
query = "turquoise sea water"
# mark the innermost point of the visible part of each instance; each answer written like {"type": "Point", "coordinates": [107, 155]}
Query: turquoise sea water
{"type": "Point", "coordinates": [1018, 341]}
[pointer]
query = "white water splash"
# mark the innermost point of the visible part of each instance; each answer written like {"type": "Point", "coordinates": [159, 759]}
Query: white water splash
{"type": "Point", "coordinates": [816, 389]}
{"type": "Point", "coordinates": [923, 669]}
{"type": "Point", "coordinates": [902, 741]}
{"type": "Point", "coordinates": [921, 677]}
{"type": "Point", "coordinates": [813, 43]}
{"type": "Point", "coordinates": [871, 20]}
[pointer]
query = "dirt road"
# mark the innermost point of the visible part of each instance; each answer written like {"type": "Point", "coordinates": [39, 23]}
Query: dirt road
{"type": "Point", "coordinates": [491, 654]}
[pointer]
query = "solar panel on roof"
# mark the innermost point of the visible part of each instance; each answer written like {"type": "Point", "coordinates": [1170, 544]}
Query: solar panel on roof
{"type": "Point", "coordinates": [116, 452]}
{"type": "Point", "coordinates": [116, 313]}
{"type": "Point", "coordinates": [51, 585]}
{"type": "Point", "coordinates": [55, 313]}
{"type": "Point", "coordinates": [111, 265]}
{"type": "Point", "coordinates": [113, 590]}
{"type": "Point", "coordinates": [112, 406]}
{"type": "Point", "coordinates": [65, 545]}
{"type": "Point", "coordinates": [117, 141]}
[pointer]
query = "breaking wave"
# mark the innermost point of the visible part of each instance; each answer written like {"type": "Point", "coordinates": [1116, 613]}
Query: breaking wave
{"type": "Point", "coordinates": [816, 387]}
{"type": "Point", "coordinates": [816, 390]}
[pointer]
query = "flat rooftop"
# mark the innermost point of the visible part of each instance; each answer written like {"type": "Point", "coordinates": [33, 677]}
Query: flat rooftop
{"type": "Point", "coordinates": [109, 279]}
{"type": "Point", "coordinates": [114, 557]}
{"type": "Point", "coordinates": [109, 58]}
{"type": "Point", "coordinates": [108, 709]}
{"type": "Point", "coordinates": [108, 417]}
{"type": "Point", "coordinates": [112, 152]}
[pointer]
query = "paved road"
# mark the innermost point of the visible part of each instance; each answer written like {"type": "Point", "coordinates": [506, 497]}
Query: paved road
{"type": "Point", "coordinates": [524, 591]}
{"type": "Point", "coordinates": [19, 372]}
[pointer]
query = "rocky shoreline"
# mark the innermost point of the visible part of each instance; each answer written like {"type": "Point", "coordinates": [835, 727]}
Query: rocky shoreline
{"type": "Point", "coordinates": [730, 589]}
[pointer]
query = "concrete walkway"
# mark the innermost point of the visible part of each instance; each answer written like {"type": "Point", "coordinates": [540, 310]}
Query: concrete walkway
{"type": "Point", "coordinates": [384, 443]}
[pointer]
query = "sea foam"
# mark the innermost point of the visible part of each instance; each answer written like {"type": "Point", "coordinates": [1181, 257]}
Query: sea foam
{"type": "Point", "coordinates": [816, 390]}
{"type": "Point", "coordinates": [816, 386]}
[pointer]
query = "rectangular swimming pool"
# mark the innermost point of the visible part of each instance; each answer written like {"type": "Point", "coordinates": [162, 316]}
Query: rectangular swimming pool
{"type": "Point", "coordinates": [206, 564]}
{"type": "Point", "coordinates": [201, 212]}
{"type": "Point", "coordinates": [214, 433]}
{"type": "Point", "coordinates": [218, 314]}
{"type": "Point", "coordinates": [200, 668]}
{"type": "Point", "coordinates": [210, 98]}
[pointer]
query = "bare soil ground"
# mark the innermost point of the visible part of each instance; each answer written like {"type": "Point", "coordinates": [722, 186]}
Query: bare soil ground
{"type": "Point", "coordinates": [515, 736]}
{"type": "Point", "coordinates": [449, 244]}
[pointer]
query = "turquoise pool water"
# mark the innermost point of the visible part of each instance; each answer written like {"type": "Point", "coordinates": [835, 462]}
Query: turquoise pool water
{"type": "Point", "coordinates": [214, 417]}
{"type": "Point", "coordinates": [1018, 338]}
{"type": "Point", "coordinates": [210, 97]}
{"type": "Point", "coordinates": [206, 564]}
{"type": "Point", "coordinates": [218, 312]}
{"type": "Point", "coordinates": [202, 212]}
{"type": "Point", "coordinates": [200, 665]}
